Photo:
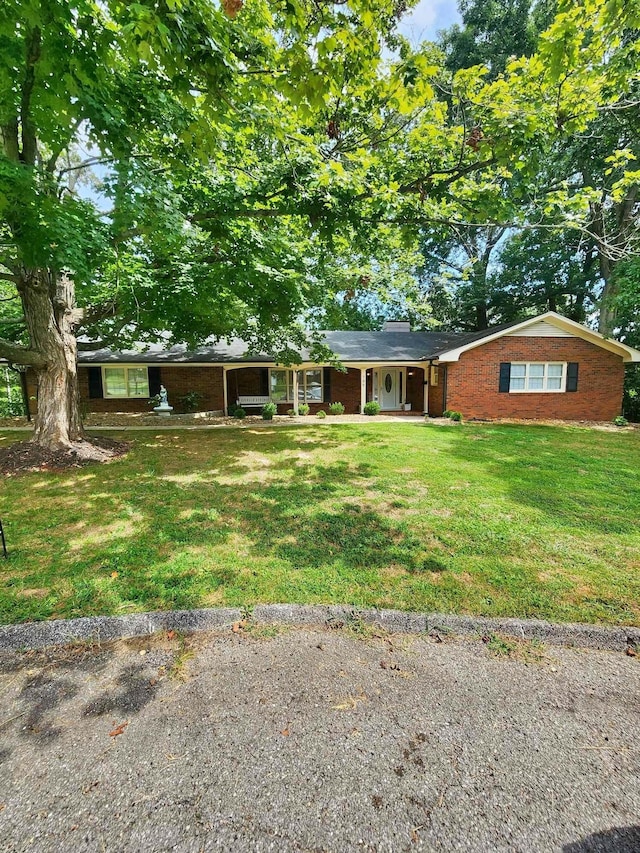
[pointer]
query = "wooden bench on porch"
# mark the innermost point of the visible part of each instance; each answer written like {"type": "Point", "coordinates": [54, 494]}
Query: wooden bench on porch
{"type": "Point", "coordinates": [252, 401]}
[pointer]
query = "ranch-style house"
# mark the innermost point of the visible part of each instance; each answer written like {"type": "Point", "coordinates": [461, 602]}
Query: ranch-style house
{"type": "Point", "coordinates": [544, 367]}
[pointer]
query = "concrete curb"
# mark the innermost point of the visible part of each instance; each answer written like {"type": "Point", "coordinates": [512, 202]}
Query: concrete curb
{"type": "Point", "coordinates": [37, 635]}
{"type": "Point", "coordinates": [58, 632]}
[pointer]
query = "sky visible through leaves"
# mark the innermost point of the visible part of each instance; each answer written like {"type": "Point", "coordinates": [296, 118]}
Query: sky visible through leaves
{"type": "Point", "coordinates": [428, 18]}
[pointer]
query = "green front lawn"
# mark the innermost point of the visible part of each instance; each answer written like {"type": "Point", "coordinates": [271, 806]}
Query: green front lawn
{"type": "Point", "coordinates": [483, 519]}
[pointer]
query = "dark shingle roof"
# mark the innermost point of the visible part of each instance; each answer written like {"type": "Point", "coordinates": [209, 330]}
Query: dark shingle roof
{"type": "Point", "coordinates": [348, 347]}
{"type": "Point", "coordinates": [460, 339]}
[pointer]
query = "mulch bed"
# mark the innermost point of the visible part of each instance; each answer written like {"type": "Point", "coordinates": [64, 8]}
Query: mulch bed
{"type": "Point", "coordinates": [25, 456]}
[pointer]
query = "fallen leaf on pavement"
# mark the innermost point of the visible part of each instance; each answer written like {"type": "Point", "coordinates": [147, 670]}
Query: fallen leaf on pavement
{"type": "Point", "coordinates": [237, 627]}
{"type": "Point", "coordinates": [350, 703]}
{"type": "Point", "coordinates": [631, 651]}
{"type": "Point", "coordinates": [285, 732]}
{"type": "Point", "coordinates": [171, 635]}
{"type": "Point", "coordinates": [118, 730]}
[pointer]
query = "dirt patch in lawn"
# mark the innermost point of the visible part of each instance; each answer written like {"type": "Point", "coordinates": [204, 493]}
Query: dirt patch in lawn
{"type": "Point", "coordinates": [25, 456]}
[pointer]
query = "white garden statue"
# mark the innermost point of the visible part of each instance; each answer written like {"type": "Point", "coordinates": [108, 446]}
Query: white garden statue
{"type": "Point", "coordinates": [163, 409]}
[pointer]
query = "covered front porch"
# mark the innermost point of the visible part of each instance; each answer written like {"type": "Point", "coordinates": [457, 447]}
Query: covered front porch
{"type": "Point", "coordinates": [401, 387]}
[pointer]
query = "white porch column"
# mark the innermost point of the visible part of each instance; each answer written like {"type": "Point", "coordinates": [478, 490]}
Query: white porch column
{"type": "Point", "coordinates": [225, 393]}
{"type": "Point", "coordinates": [363, 389]}
{"type": "Point", "coordinates": [295, 390]}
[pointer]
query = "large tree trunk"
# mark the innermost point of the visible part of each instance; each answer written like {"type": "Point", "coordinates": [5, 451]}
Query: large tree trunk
{"type": "Point", "coordinates": [624, 215]}
{"type": "Point", "coordinates": [48, 302]}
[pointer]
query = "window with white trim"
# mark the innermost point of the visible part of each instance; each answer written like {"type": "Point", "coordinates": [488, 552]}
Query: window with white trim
{"type": "Point", "coordinates": [309, 385]}
{"type": "Point", "coordinates": [538, 376]}
{"type": "Point", "coordinates": [125, 381]}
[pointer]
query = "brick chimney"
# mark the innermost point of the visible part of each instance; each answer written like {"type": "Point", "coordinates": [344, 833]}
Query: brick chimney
{"type": "Point", "coordinates": [396, 326]}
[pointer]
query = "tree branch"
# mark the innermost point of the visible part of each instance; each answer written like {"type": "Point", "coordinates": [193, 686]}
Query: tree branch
{"type": "Point", "coordinates": [98, 161]}
{"type": "Point", "coordinates": [18, 355]}
{"type": "Point", "coordinates": [53, 159]}
{"type": "Point", "coordinates": [94, 313]}
{"type": "Point", "coordinates": [251, 213]}
{"type": "Point", "coordinates": [29, 140]}
{"type": "Point", "coordinates": [454, 173]}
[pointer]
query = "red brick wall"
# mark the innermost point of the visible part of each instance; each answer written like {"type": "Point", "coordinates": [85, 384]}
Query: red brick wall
{"type": "Point", "coordinates": [247, 381]}
{"type": "Point", "coordinates": [177, 379]}
{"type": "Point", "coordinates": [472, 382]}
{"type": "Point", "coordinates": [345, 389]}
{"type": "Point", "coordinates": [415, 388]}
{"type": "Point", "coordinates": [436, 392]}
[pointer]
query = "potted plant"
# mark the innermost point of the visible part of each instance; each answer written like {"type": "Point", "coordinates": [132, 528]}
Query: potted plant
{"type": "Point", "coordinates": [268, 411]}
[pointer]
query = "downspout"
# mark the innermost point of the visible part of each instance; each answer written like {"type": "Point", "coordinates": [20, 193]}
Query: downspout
{"type": "Point", "coordinates": [427, 382]}
{"type": "Point", "coordinates": [444, 389]}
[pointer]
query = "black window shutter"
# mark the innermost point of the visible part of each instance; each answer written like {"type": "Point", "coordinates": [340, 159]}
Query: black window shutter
{"type": "Point", "coordinates": [572, 376]}
{"type": "Point", "coordinates": [154, 380]}
{"type": "Point", "coordinates": [264, 381]}
{"type": "Point", "coordinates": [95, 383]}
{"type": "Point", "coordinates": [326, 382]}
{"type": "Point", "coordinates": [505, 376]}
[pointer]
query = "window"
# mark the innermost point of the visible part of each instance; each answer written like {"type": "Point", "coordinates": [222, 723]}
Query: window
{"type": "Point", "coordinates": [312, 386]}
{"type": "Point", "coordinates": [281, 385]}
{"type": "Point", "coordinates": [125, 381]}
{"type": "Point", "coordinates": [309, 386]}
{"type": "Point", "coordinates": [538, 376]}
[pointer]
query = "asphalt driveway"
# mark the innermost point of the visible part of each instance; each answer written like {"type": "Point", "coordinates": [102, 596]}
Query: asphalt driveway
{"type": "Point", "coordinates": [318, 740]}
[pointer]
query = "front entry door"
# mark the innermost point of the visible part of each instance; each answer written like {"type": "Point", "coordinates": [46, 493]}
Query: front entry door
{"type": "Point", "coordinates": [389, 388]}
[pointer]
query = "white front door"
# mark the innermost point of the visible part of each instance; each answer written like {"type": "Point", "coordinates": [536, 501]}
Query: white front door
{"type": "Point", "coordinates": [389, 388]}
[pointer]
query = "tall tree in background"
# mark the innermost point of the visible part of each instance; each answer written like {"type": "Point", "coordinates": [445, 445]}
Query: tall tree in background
{"type": "Point", "coordinates": [544, 270]}
{"type": "Point", "coordinates": [458, 261]}
{"type": "Point", "coordinates": [583, 183]}
{"type": "Point", "coordinates": [458, 269]}
{"type": "Point", "coordinates": [597, 171]}
{"type": "Point", "coordinates": [494, 31]}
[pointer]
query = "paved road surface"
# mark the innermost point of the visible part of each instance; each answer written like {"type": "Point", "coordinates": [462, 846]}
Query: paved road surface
{"type": "Point", "coordinates": [318, 740]}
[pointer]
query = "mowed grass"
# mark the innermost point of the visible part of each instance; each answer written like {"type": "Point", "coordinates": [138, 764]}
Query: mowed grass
{"type": "Point", "coordinates": [480, 519]}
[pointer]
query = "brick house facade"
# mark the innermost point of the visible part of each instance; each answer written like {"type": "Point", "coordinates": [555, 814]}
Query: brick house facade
{"type": "Point", "coordinates": [472, 383]}
{"type": "Point", "coordinates": [544, 367]}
